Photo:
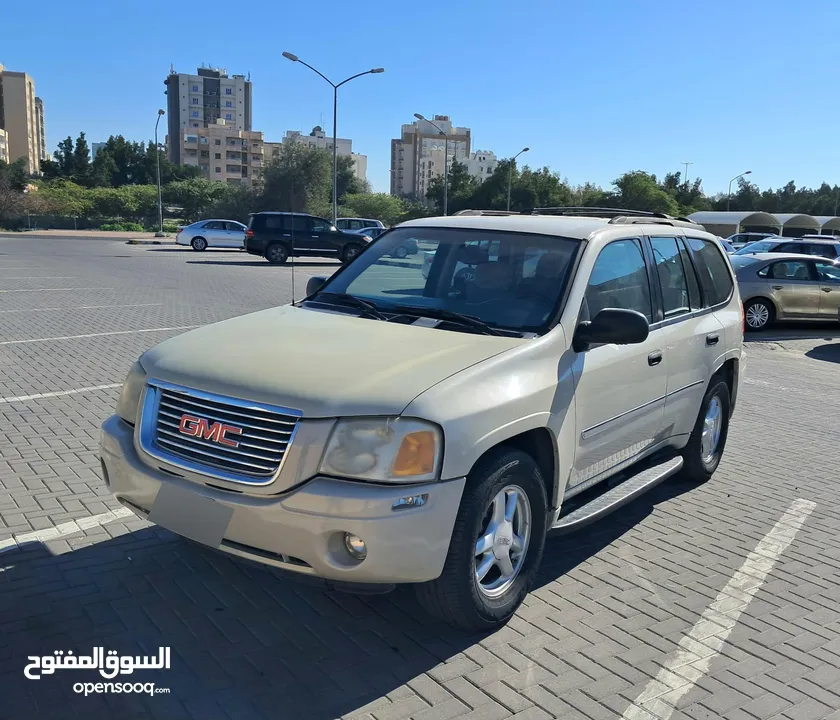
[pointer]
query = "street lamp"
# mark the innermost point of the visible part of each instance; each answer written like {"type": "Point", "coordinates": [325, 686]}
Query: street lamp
{"type": "Point", "coordinates": [335, 86]}
{"type": "Point", "coordinates": [445, 161]}
{"type": "Point", "coordinates": [729, 190]}
{"type": "Point", "coordinates": [510, 173]}
{"type": "Point", "coordinates": [159, 233]}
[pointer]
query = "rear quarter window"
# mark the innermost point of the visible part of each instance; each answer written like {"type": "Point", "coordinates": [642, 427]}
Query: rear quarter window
{"type": "Point", "coordinates": [713, 269]}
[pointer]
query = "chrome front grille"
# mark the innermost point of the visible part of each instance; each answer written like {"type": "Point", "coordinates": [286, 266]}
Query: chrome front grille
{"type": "Point", "coordinates": [222, 437]}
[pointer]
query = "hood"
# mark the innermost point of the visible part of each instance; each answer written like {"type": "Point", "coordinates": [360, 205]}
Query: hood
{"type": "Point", "coordinates": [323, 364]}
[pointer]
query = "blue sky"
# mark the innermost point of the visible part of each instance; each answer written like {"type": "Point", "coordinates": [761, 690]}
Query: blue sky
{"type": "Point", "coordinates": [595, 88]}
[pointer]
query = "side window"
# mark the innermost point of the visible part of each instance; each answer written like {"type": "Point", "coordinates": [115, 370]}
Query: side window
{"type": "Point", "coordinates": [275, 222]}
{"type": "Point", "coordinates": [320, 225]}
{"type": "Point", "coordinates": [790, 270]}
{"type": "Point", "coordinates": [791, 247]}
{"type": "Point", "coordinates": [302, 223]}
{"type": "Point", "coordinates": [695, 298]}
{"type": "Point", "coordinates": [214, 226]}
{"type": "Point", "coordinates": [233, 227]}
{"type": "Point", "coordinates": [672, 276]}
{"type": "Point", "coordinates": [827, 272]}
{"type": "Point", "coordinates": [619, 280]}
{"type": "Point", "coordinates": [714, 270]}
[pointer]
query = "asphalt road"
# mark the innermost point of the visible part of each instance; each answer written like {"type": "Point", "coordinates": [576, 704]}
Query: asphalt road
{"type": "Point", "coordinates": [720, 601]}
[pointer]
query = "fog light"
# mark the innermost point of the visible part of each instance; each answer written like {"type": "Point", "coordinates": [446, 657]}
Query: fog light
{"type": "Point", "coordinates": [355, 546]}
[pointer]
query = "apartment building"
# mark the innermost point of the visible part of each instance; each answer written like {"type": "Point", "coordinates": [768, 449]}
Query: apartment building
{"type": "Point", "coordinates": [223, 152]}
{"type": "Point", "coordinates": [418, 155]}
{"type": "Point", "coordinates": [481, 164]}
{"type": "Point", "coordinates": [21, 120]}
{"type": "Point", "coordinates": [199, 101]}
{"type": "Point", "coordinates": [319, 139]}
{"type": "Point", "coordinates": [41, 128]}
{"type": "Point", "coordinates": [4, 146]}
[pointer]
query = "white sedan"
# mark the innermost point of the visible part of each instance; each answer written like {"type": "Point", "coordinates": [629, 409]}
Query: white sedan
{"type": "Point", "coordinates": [212, 233]}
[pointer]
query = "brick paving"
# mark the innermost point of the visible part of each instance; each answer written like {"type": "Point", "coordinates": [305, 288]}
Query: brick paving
{"type": "Point", "coordinates": [612, 602]}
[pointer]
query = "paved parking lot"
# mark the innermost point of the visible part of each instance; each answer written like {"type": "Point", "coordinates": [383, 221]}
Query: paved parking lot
{"type": "Point", "coordinates": [721, 601]}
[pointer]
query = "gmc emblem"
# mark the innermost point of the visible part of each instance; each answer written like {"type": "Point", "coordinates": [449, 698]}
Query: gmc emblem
{"type": "Point", "coordinates": [217, 432]}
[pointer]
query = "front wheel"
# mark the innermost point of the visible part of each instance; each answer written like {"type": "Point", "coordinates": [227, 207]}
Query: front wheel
{"type": "Point", "coordinates": [350, 252]}
{"type": "Point", "coordinates": [199, 244]}
{"type": "Point", "coordinates": [758, 314]}
{"type": "Point", "coordinates": [703, 453]}
{"type": "Point", "coordinates": [401, 252]}
{"type": "Point", "coordinates": [496, 546]}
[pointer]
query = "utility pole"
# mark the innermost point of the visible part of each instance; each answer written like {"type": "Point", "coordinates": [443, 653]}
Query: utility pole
{"type": "Point", "coordinates": [686, 173]}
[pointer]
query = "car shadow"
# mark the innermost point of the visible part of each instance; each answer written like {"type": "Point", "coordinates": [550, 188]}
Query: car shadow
{"type": "Point", "coordinates": [829, 352]}
{"type": "Point", "coordinates": [246, 641]}
{"type": "Point", "coordinates": [796, 331]}
{"type": "Point", "coordinates": [326, 264]}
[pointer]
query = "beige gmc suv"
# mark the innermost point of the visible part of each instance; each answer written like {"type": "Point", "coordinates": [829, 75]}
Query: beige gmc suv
{"type": "Point", "coordinates": [400, 428]}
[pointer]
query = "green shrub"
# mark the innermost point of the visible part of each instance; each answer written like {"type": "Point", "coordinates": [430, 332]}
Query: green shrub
{"type": "Point", "coordinates": [122, 227]}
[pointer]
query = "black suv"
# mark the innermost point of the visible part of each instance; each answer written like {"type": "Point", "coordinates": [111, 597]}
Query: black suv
{"type": "Point", "coordinates": [278, 235]}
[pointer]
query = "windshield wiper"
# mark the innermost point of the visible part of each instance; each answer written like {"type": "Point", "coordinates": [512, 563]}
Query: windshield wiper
{"type": "Point", "coordinates": [448, 315]}
{"type": "Point", "coordinates": [368, 308]}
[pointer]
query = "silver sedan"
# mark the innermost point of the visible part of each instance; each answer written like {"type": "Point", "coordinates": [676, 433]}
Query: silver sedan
{"type": "Point", "coordinates": [212, 233]}
{"type": "Point", "coordinates": [783, 286]}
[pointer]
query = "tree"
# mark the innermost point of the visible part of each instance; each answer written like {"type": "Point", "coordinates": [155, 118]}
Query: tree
{"type": "Point", "coordinates": [638, 190]}
{"type": "Point", "coordinates": [196, 196]}
{"type": "Point", "coordinates": [462, 185]}
{"type": "Point", "coordinates": [382, 206]}
{"type": "Point", "coordinates": [299, 180]}
{"type": "Point", "coordinates": [81, 160]}
{"type": "Point", "coordinates": [347, 182]}
{"type": "Point", "coordinates": [64, 157]}
{"type": "Point", "coordinates": [12, 186]}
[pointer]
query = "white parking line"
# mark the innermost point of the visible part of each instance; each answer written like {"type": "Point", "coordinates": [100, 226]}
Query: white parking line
{"type": "Point", "coordinates": [63, 529]}
{"type": "Point", "coordinates": [58, 393]}
{"type": "Point", "coordinates": [81, 307]}
{"type": "Point", "coordinates": [703, 643]}
{"type": "Point", "coordinates": [55, 289]}
{"type": "Point", "coordinates": [90, 335]}
{"type": "Point", "coordinates": [38, 277]}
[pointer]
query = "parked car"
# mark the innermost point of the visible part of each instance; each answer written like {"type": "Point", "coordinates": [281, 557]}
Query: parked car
{"type": "Point", "coordinates": [738, 240]}
{"type": "Point", "coordinates": [371, 232]}
{"type": "Point", "coordinates": [357, 223]}
{"type": "Point", "coordinates": [787, 286]}
{"type": "Point", "coordinates": [528, 402]}
{"type": "Point", "coordinates": [277, 236]}
{"type": "Point", "coordinates": [822, 248]}
{"type": "Point", "coordinates": [409, 247]}
{"type": "Point", "coordinates": [212, 233]}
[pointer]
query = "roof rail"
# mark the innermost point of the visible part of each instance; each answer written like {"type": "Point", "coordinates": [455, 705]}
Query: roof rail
{"type": "Point", "coordinates": [591, 211]}
{"type": "Point", "coordinates": [485, 212]}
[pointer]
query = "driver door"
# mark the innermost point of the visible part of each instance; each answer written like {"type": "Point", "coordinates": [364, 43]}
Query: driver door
{"type": "Point", "coordinates": [619, 389]}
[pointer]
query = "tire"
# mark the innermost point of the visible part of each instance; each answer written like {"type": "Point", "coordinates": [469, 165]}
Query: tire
{"type": "Point", "coordinates": [757, 309]}
{"type": "Point", "coordinates": [401, 252]}
{"type": "Point", "coordinates": [199, 244]}
{"type": "Point", "coordinates": [456, 596]}
{"type": "Point", "coordinates": [350, 252]}
{"type": "Point", "coordinates": [277, 254]}
{"type": "Point", "coordinates": [698, 463]}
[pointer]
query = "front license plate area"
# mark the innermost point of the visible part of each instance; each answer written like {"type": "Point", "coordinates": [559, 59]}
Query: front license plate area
{"type": "Point", "coordinates": [190, 514]}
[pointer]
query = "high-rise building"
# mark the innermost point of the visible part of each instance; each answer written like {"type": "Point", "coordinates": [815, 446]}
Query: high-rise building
{"type": "Point", "coordinates": [95, 148]}
{"type": "Point", "coordinates": [481, 164]}
{"type": "Point", "coordinates": [418, 156]}
{"type": "Point", "coordinates": [4, 146]}
{"type": "Point", "coordinates": [199, 101]}
{"type": "Point", "coordinates": [319, 139]}
{"type": "Point", "coordinates": [222, 152]}
{"type": "Point", "coordinates": [19, 117]}
{"type": "Point", "coordinates": [42, 130]}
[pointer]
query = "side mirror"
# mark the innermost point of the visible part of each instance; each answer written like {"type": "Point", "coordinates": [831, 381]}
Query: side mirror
{"type": "Point", "coordinates": [314, 284]}
{"type": "Point", "coordinates": [333, 228]}
{"type": "Point", "coordinates": [612, 325]}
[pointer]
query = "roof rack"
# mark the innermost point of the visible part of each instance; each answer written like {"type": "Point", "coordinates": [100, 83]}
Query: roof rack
{"type": "Point", "coordinates": [486, 212]}
{"type": "Point", "coordinates": [615, 215]}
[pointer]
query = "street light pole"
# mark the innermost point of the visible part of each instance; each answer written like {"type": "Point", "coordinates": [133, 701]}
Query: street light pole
{"type": "Point", "coordinates": [335, 86]}
{"type": "Point", "coordinates": [159, 233]}
{"type": "Point", "coordinates": [510, 173]}
{"type": "Point", "coordinates": [729, 190]}
{"type": "Point", "coordinates": [445, 161]}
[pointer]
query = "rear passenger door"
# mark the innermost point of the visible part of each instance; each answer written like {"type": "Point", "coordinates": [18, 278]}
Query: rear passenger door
{"type": "Point", "coordinates": [693, 336]}
{"type": "Point", "coordinates": [828, 275]}
{"type": "Point", "coordinates": [619, 389]}
{"type": "Point", "coordinates": [215, 233]}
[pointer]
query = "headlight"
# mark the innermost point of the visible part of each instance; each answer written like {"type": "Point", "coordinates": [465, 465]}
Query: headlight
{"type": "Point", "coordinates": [390, 449]}
{"type": "Point", "coordinates": [132, 388]}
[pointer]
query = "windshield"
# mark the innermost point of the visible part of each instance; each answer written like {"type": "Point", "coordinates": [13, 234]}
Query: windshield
{"type": "Point", "coordinates": [507, 280]}
{"type": "Point", "coordinates": [757, 247]}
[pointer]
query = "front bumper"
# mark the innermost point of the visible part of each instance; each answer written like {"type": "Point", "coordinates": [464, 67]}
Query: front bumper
{"type": "Point", "coordinates": [302, 530]}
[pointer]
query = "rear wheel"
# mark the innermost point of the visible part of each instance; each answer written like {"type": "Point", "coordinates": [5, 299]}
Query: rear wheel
{"type": "Point", "coordinates": [277, 254]}
{"type": "Point", "coordinates": [496, 546]}
{"type": "Point", "coordinates": [758, 314]}
{"type": "Point", "coordinates": [199, 244]}
{"type": "Point", "coordinates": [401, 252]}
{"type": "Point", "coordinates": [703, 453]}
{"type": "Point", "coordinates": [350, 252]}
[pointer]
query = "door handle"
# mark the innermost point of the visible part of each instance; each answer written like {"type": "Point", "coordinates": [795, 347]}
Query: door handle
{"type": "Point", "coordinates": [712, 339]}
{"type": "Point", "coordinates": [826, 289]}
{"type": "Point", "coordinates": [655, 358]}
{"type": "Point", "coordinates": [778, 287]}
